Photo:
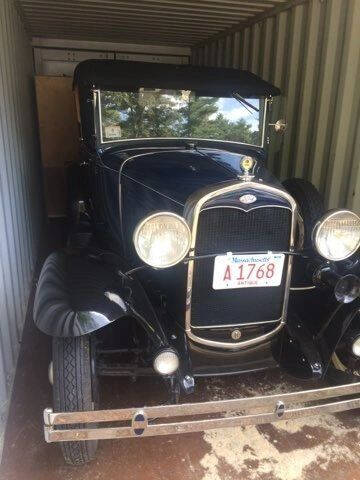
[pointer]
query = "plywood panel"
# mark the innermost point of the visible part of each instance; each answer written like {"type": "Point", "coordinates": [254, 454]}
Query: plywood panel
{"type": "Point", "coordinates": [58, 136]}
{"type": "Point", "coordinates": [55, 190]}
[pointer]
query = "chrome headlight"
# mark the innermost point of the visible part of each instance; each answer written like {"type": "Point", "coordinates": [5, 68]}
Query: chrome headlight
{"type": "Point", "coordinates": [337, 235]}
{"type": "Point", "coordinates": [162, 239]}
{"type": "Point", "coordinates": [166, 362]}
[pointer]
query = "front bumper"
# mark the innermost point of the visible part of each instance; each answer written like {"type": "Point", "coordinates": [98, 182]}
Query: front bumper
{"type": "Point", "coordinates": [198, 417]}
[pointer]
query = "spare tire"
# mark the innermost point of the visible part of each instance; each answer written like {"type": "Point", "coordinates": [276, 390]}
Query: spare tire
{"type": "Point", "coordinates": [310, 203]}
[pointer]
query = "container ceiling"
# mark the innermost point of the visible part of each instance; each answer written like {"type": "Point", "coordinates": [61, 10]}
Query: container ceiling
{"type": "Point", "coordinates": [162, 22]}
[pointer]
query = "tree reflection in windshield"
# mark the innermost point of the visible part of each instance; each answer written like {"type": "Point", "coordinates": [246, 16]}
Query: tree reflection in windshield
{"type": "Point", "coordinates": [162, 113]}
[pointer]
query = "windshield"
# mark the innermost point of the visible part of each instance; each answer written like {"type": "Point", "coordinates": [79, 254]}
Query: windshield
{"type": "Point", "coordinates": [156, 113]}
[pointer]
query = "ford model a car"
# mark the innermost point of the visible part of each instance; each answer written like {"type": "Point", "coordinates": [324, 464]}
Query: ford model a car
{"type": "Point", "coordinates": [186, 255]}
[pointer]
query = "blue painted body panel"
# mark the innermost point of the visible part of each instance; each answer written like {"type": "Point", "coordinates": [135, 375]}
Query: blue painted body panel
{"type": "Point", "coordinates": [138, 178]}
{"type": "Point", "coordinates": [175, 172]}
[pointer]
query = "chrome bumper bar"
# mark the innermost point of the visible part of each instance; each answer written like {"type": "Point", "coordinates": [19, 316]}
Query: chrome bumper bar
{"type": "Point", "coordinates": [145, 421]}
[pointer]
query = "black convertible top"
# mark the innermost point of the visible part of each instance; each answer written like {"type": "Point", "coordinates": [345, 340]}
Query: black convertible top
{"type": "Point", "coordinates": [211, 81]}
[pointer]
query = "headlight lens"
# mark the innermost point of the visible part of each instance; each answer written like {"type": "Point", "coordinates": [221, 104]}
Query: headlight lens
{"type": "Point", "coordinates": [162, 239]}
{"type": "Point", "coordinates": [166, 362]}
{"type": "Point", "coordinates": [337, 235]}
{"type": "Point", "coordinates": [356, 347]}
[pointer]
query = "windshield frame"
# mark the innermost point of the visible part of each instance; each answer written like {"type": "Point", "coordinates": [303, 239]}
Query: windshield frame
{"type": "Point", "coordinates": [101, 142]}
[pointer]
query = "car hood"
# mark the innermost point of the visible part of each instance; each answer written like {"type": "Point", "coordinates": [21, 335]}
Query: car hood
{"type": "Point", "coordinates": [177, 173]}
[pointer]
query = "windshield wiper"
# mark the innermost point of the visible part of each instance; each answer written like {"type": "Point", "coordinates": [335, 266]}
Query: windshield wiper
{"type": "Point", "coordinates": [245, 103]}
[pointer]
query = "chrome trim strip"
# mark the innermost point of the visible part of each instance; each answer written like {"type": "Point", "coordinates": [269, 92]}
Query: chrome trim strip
{"type": "Point", "coordinates": [264, 119]}
{"type": "Point", "coordinates": [251, 324]}
{"type": "Point", "coordinates": [189, 139]}
{"type": "Point", "coordinates": [239, 412]}
{"type": "Point", "coordinates": [246, 210]}
{"type": "Point", "coordinates": [191, 214]}
{"type": "Point", "coordinates": [302, 288]}
{"type": "Point", "coordinates": [97, 94]}
{"type": "Point", "coordinates": [238, 345]}
{"type": "Point", "coordinates": [181, 147]}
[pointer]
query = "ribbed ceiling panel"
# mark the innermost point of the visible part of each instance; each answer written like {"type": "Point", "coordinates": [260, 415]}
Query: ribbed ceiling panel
{"type": "Point", "coordinates": [162, 22]}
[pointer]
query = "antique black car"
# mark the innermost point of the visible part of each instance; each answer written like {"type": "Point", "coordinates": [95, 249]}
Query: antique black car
{"type": "Point", "coordinates": [186, 257]}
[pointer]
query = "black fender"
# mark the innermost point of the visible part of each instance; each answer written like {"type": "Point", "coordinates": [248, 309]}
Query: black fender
{"type": "Point", "coordinates": [79, 293]}
{"type": "Point", "coordinates": [335, 328]}
{"type": "Point", "coordinates": [305, 355]}
{"type": "Point", "coordinates": [297, 352]}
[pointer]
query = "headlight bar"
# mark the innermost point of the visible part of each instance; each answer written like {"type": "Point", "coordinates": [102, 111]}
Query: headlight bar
{"type": "Point", "coordinates": [213, 255]}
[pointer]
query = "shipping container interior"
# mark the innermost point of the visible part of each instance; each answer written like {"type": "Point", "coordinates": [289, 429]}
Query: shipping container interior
{"type": "Point", "coordinates": [307, 48]}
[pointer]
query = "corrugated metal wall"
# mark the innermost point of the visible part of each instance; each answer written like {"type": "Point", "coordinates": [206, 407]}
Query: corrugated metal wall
{"type": "Point", "coordinates": [20, 188]}
{"type": "Point", "coordinates": [312, 52]}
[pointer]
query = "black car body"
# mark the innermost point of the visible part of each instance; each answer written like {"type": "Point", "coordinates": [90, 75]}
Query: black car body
{"type": "Point", "coordinates": [238, 219]}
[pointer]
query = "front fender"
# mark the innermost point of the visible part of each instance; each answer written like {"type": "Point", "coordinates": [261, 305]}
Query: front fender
{"type": "Point", "coordinates": [78, 293]}
{"type": "Point", "coordinates": [335, 328]}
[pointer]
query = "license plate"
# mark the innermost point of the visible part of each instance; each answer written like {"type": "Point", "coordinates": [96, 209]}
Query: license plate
{"type": "Point", "coordinates": [245, 271]}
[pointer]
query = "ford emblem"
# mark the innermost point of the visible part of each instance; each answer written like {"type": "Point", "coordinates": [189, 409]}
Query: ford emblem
{"type": "Point", "coordinates": [248, 198]}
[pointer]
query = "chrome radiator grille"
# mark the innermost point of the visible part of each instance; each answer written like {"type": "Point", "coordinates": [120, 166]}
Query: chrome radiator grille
{"type": "Point", "coordinates": [221, 230]}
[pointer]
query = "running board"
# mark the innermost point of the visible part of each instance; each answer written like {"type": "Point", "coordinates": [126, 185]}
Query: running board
{"type": "Point", "coordinates": [230, 413]}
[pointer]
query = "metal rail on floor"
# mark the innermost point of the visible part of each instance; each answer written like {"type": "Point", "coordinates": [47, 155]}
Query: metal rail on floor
{"type": "Point", "coordinates": [231, 413]}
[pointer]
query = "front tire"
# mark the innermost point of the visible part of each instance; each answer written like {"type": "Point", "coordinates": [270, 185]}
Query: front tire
{"type": "Point", "coordinates": [311, 209]}
{"type": "Point", "coordinates": [74, 389]}
{"type": "Point", "coordinates": [310, 203]}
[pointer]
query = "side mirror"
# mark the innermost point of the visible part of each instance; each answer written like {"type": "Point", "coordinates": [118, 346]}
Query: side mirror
{"type": "Point", "coordinates": [279, 126]}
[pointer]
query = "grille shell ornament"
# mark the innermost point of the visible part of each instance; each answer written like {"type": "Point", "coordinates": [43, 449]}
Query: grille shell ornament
{"type": "Point", "coordinates": [236, 334]}
{"type": "Point", "coordinates": [248, 198]}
